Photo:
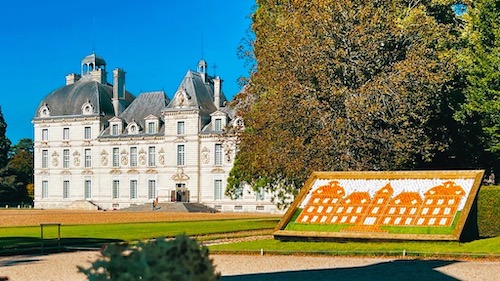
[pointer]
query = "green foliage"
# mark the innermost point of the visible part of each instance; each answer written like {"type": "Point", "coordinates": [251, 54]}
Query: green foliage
{"type": "Point", "coordinates": [16, 178]}
{"type": "Point", "coordinates": [180, 259]}
{"type": "Point", "coordinates": [4, 142]}
{"type": "Point", "coordinates": [488, 211]}
{"type": "Point", "coordinates": [480, 62]}
{"type": "Point", "coordinates": [347, 85]}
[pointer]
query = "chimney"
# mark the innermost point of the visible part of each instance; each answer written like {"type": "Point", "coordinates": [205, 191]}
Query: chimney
{"type": "Point", "coordinates": [118, 89]}
{"type": "Point", "coordinates": [72, 78]}
{"type": "Point", "coordinates": [217, 91]}
{"type": "Point", "coordinates": [99, 75]}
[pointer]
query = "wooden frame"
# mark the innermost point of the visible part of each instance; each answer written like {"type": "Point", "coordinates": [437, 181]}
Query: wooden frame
{"type": "Point", "coordinates": [395, 205]}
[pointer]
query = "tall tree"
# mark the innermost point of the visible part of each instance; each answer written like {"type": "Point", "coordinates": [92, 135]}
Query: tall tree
{"type": "Point", "coordinates": [481, 64]}
{"type": "Point", "coordinates": [345, 85]}
{"type": "Point", "coordinates": [4, 142]}
{"type": "Point", "coordinates": [21, 165]}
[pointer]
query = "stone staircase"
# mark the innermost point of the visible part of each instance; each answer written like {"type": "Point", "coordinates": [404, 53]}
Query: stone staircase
{"type": "Point", "coordinates": [178, 207]}
{"type": "Point", "coordinates": [83, 205]}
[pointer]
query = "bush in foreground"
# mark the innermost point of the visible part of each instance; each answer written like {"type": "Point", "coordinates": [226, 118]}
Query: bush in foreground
{"type": "Point", "coordinates": [180, 259]}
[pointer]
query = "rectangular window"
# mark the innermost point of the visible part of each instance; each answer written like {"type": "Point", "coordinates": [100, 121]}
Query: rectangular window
{"type": "Point", "coordinates": [180, 155]}
{"type": "Point", "coordinates": [218, 125]}
{"type": "Point", "coordinates": [116, 157]}
{"type": "Point", "coordinates": [65, 133]}
{"type": "Point", "coordinates": [151, 189]}
{"type": "Point", "coordinates": [217, 189]}
{"type": "Point", "coordinates": [45, 134]}
{"type": "Point", "coordinates": [88, 189]}
{"type": "Point", "coordinates": [45, 158]}
{"type": "Point", "coordinates": [133, 157]}
{"type": "Point", "coordinates": [66, 189]}
{"type": "Point", "coordinates": [88, 158]}
{"type": "Point", "coordinates": [66, 158]}
{"type": "Point", "coordinates": [259, 195]}
{"type": "Point", "coordinates": [151, 128]}
{"type": "Point", "coordinates": [133, 189]}
{"type": "Point", "coordinates": [151, 156]}
{"type": "Point", "coordinates": [181, 130]}
{"type": "Point", "coordinates": [45, 189]}
{"type": "Point", "coordinates": [114, 129]}
{"type": "Point", "coordinates": [87, 134]}
{"type": "Point", "coordinates": [116, 189]}
{"type": "Point", "coordinates": [218, 154]}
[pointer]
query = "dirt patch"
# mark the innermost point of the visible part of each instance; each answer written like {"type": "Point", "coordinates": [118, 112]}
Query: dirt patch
{"type": "Point", "coordinates": [36, 217]}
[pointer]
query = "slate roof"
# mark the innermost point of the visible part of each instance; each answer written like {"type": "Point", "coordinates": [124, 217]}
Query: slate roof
{"type": "Point", "coordinates": [147, 103]}
{"type": "Point", "coordinates": [198, 95]}
{"type": "Point", "coordinates": [68, 100]}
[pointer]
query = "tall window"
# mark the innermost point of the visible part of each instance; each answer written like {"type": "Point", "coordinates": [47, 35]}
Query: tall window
{"type": "Point", "coordinates": [88, 158]}
{"type": "Point", "coordinates": [65, 133]}
{"type": "Point", "coordinates": [45, 189]}
{"type": "Point", "coordinates": [217, 189]}
{"type": "Point", "coordinates": [116, 189]}
{"type": "Point", "coordinates": [88, 189]}
{"type": "Point", "coordinates": [180, 155]}
{"type": "Point", "coordinates": [116, 157]}
{"type": "Point", "coordinates": [218, 154]}
{"type": "Point", "coordinates": [45, 158]}
{"type": "Point", "coordinates": [114, 129]}
{"type": "Point", "coordinates": [66, 189]}
{"type": "Point", "coordinates": [151, 189]}
{"type": "Point", "coordinates": [151, 156]}
{"type": "Point", "coordinates": [133, 189]}
{"type": "Point", "coordinates": [218, 125]}
{"type": "Point", "coordinates": [87, 134]}
{"type": "Point", "coordinates": [151, 128]}
{"type": "Point", "coordinates": [66, 158]}
{"type": "Point", "coordinates": [259, 194]}
{"type": "Point", "coordinates": [45, 134]}
{"type": "Point", "coordinates": [133, 157]}
{"type": "Point", "coordinates": [181, 128]}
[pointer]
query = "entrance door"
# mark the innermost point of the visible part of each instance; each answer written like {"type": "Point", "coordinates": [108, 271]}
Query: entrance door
{"type": "Point", "coordinates": [181, 193]}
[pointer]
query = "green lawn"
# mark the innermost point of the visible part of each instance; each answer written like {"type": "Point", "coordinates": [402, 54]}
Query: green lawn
{"type": "Point", "coordinates": [16, 237]}
{"type": "Point", "coordinates": [490, 246]}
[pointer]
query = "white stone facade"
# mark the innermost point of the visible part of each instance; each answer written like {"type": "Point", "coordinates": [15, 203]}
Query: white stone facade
{"type": "Point", "coordinates": [98, 145]}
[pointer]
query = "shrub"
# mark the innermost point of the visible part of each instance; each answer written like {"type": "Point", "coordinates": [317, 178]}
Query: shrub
{"type": "Point", "coordinates": [180, 259]}
{"type": "Point", "coordinates": [488, 211]}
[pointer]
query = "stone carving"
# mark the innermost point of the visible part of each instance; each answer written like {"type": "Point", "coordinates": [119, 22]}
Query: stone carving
{"type": "Point", "coordinates": [55, 159]}
{"type": "Point", "coordinates": [124, 157]}
{"type": "Point", "coordinates": [104, 158]}
{"type": "Point", "coordinates": [76, 158]}
{"type": "Point", "coordinates": [205, 155]}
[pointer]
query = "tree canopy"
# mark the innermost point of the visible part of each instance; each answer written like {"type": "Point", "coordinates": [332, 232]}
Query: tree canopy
{"type": "Point", "coordinates": [480, 62]}
{"type": "Point", "coordinates": [346, 85]}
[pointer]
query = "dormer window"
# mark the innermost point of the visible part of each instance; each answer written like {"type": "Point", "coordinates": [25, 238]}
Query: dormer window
{"type": "Point", "coordinates": [133, 129]}
{"type": "Point", "coordinates": [44, 111]}
{"type": "Point", "coordinates": [218, 125]}
{"type": "Point", "coordinates": [151, 127]}
{"type": "Point", "coordinates": [115, 126]}
{"type": "Point", "coordinates": [152, 124]}
{"type": "Point", "coordinates": [114, 129]}
{"type": "Point", "coordinates": [87, 108]}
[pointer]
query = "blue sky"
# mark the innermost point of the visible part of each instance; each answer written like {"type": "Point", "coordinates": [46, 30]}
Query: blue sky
{"type": "Point", "coordinates": [154, 41]}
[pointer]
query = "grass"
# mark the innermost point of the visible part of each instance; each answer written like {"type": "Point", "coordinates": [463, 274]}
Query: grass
{"type": "Point", "coordinates": [15, 237]}
{"type": "Point", "coordinates": [484, 247]}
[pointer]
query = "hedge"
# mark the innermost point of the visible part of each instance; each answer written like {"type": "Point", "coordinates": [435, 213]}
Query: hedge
{"type": "Point", "coordinates": [488, 211]}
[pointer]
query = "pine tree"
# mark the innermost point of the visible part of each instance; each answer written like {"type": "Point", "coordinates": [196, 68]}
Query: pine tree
{"type": "Point", "coordinates": [4, 142]}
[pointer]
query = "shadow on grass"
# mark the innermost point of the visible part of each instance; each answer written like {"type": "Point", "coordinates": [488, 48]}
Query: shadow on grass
{"type": "Point", "coordinates": [386, 271]}
{"type": "Point", "coordinates": [29, 245]}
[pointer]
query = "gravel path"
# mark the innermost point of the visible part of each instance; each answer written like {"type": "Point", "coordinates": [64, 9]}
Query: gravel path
{"type": "Point", "coordinates": [261, 268]}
